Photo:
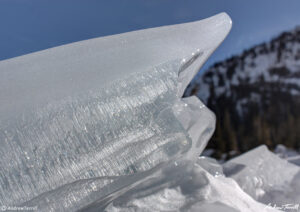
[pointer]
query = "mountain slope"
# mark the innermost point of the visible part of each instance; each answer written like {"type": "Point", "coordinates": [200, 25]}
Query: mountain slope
{"type": "Point", "coordinates": [255, 95]}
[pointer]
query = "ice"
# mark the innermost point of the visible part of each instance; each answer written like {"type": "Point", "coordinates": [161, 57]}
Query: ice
{"type": "Point", "coordinates": [84, 123]}
{"type": "Point", "coordinates": [265, 176]}
{"type": "Point", "coordinates": [256, 181]}
{"type": "Point", "coordinates": [100, 125]}
{"type": "Point", "coordinates": [290, 155]}
{"type": "Point", "coordinates": [189, 187]}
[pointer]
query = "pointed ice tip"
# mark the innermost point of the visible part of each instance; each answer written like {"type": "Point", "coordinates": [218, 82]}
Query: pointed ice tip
{"type": "Point", "coordinates": [87, 64]}
{"type": "Point", "coordinates": [225, 16]}
{"type": "Point", "coordinates": [203, 37]}
{"type": "Point", "coordinates": [227, 22]}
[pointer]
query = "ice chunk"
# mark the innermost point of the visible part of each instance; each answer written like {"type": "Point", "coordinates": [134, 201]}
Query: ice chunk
{"type": "Point", "coordinates": [188, 187]}
{"type": "Point", "coordinates": [83, 123]}
{"type": "Point", "coordinates": [265, 176]}
{"type": "Point", "coordinates": [211, 165]}
{"type": "Point", "coordinates": [289, 154]}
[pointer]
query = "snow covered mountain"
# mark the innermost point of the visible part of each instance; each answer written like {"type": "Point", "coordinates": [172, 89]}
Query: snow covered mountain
{"type": "Point", "coordinates": [256, 95]}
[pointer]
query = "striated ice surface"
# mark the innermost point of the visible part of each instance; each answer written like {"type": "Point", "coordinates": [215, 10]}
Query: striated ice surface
{"type": "Point", "coordinates": [86, 123]}
{"type": "Point", "coordinates": [126, 128]}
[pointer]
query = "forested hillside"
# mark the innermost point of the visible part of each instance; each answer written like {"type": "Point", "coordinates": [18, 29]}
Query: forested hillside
{"type": "Point", "coordinates": [255, 95]}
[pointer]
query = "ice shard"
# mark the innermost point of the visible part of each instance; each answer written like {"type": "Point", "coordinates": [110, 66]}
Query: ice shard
{"type": "Point", "coordinates": [266, 177]}
{"type": "Point", "coordinates": [191, 187]}
{"type": "Point", "coordinates": [81, 124]}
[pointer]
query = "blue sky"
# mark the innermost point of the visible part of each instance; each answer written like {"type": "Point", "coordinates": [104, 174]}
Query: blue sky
{"type": "Point", "coordinates": [31, 25]}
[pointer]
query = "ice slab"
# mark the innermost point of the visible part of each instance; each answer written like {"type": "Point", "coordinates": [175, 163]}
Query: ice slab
{"type": "Point", "coordinates": [54, 74]}
{"type": "Point", "coordinates": [188, 187]}
{"type": "Point", "coordinates": [290, 155]}
{"type": "Point", "coordinates": [83, 123]}
{"type": "Point", "coordinates": [266, 177]}
{"type": "Point", "coordinates": [256, 181]}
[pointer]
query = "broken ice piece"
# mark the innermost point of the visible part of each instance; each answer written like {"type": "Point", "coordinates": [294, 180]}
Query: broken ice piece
{"type": "Point", "coordinates": [265, 176]}
{"type": "Point", "coordinates": [81, 123]}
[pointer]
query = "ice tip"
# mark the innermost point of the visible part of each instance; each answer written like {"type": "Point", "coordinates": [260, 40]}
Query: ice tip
{"type": "Point", "coordinates": [224, 16]}
{"type": "Point", "coordinates": [222, 25]}
{"type": "Point", "coordinates": [224, 20]}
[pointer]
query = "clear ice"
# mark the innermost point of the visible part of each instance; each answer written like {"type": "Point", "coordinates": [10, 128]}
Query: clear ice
{"type": "Point", "coordinates": [84, 123]}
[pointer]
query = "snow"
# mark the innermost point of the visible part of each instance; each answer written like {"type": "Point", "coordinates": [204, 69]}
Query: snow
{"type": "Point", "coordinates": [252, 67]}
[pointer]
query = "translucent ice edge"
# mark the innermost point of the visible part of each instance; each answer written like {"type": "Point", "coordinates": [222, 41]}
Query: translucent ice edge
{"type": "Point", "coordinates": [82, 124]}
